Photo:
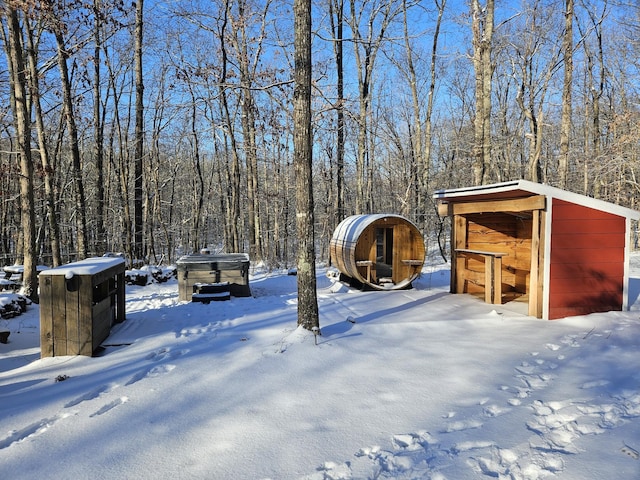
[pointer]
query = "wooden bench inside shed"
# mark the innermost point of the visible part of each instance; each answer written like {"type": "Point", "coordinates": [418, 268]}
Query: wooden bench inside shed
{"type": "Point", "coordinates": [490, 278]}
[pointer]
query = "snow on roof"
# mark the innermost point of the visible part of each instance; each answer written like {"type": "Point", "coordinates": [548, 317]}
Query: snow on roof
{"type": "Point", "coordinates": [88, 266]}
{"type": "Point", "coordinates": [209, 258]}
{"type": "Point", "coordinates": [521, 187]}
{"type": "Point", "coordinates": [20, 268]}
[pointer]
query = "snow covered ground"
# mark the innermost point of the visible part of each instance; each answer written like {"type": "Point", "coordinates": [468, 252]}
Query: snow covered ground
{"type": "Point", "coordinates": [401, 384]}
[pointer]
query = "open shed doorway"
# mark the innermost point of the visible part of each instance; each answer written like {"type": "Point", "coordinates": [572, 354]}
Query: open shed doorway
{"type": "Point", "coordinates": [504, 238]}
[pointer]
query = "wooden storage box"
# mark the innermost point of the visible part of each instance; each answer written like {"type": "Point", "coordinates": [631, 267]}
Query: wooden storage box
{"type": "Point", "coordinates": [79, 303]}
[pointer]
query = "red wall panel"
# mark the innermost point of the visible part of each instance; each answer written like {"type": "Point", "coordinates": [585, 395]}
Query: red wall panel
{"type": "Point", "coordinates": [586, 261]}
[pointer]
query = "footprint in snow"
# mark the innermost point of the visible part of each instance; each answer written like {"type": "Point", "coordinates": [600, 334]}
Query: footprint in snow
{"type": "Point", "coordinates": [410, 457]}
{"type": "Point", "coordinates": [95, 393]}
{"type": "Point", "coordinates": [150, 373]}
{"type": "Point", "coordinates": [571, 341]}
{"type": "Point", "coordinates": [110, 406]}
{"type": "Point", "coordinates": [594, 384]}
{"type": "Point", "coordinates": [532, 379]}
{"type": "Point", "coordinates": [33, 430]}
{"type": "Point", "coordinates": [461, 425]}
{"type": "Point", "coordinates": [209, 330]}
{"type": "Point", "coordinates": [164, 353]}
{"type": "Point", "coordinates": [494, 410]}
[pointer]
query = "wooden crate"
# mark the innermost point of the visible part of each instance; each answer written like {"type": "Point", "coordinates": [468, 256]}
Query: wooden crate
{"type": "Point", "coordinates": [79, 303]}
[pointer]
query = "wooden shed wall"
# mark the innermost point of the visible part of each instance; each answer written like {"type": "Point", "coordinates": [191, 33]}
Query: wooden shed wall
{"type": "Point", "coordinates": [502, 233]}
{"type": "Point", "coordinates": [586, 270]}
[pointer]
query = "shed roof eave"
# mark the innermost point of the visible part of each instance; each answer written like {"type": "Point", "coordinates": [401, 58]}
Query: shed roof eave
{"type": "Point", "coordinates": [539, 189]}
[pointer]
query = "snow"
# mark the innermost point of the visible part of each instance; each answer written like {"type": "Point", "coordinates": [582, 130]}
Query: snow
{"type": "Point", "coordinates": [401, 384]}
{"type": "Point", "coordinates": [89, 266]}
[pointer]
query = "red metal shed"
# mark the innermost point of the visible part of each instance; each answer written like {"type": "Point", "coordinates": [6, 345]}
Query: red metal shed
{"type": "Point", "coordinates": [563, 253]}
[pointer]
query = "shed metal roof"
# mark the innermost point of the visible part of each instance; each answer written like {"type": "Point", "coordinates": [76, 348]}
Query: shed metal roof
{"type": "Point", "coordinates": [524, 188]}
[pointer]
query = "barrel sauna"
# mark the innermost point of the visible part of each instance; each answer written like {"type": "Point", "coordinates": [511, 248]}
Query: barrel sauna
{"type": "Point", "coordinates": [381, 251]}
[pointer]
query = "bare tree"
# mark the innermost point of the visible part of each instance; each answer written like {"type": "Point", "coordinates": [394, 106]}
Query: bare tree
{"type": "Point", "coordinates": [232, 198]}
{"type": "Point", "coordinates": [565, 124]}
{"type": "Point", "coordinates": [78, 180]}
{"type": "Point", "coordinates": [308, 316]}
{"type": "Point", "coordinates": [138, 160]}
{"type": "Point", "coordinates": [98, 128]}
{"type": "Point", "coordinates": [336, 15]}
{"type": "Point", "coordinates": [482, 18]}
{"type": "Point", "coordinates": [536, 59]}
{"type": "Point", "coordinates": [421, 133]}
{"type": "Point", "coordinates": [47, 167]}
{"type": "Point", "coordinates": [595, 86]}
{"type": "Point", "coordinates": [18, 81]}
{"type": "Point", "coordinates": [247, 65]}
{"type": "Point", "coordinates": [369, 22]}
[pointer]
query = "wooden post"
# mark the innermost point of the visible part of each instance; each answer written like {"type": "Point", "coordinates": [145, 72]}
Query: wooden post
{"type": "Point", "coordinates": [492, 275]}
{"type": "Point", "coordinates": [120, 298]}
{"type": "Point", "coordinates": [488, 279]}
{"type": "Point", "coordinates": [459, 241]}
{"type": "Point", "coordinates": [537, 258]}
{"type": "Point", "coordinates": [497, 280]}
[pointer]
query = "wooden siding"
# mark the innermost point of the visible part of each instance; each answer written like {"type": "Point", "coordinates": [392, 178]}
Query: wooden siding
{"type": "Point", "coordinates": [76, 314]}
{"type": "Point", "coordinates": [502, 233]}
{"type": "Point", "coordinates": [586, 270]}
{"type": "Point", "coordinates": [194, 269]}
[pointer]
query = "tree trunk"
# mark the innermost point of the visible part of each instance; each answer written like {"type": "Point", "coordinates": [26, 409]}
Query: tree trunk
{"type": "Point", "coordinates": [482, 29]}
{"type": "Point", "coordinates": [249, 136]}
{"type": "Point", "coordinates": [80, 203]}
{"type": "Point", "coordinates": [98, 125]}
{"type": "Point", "coordinates": [139, 138]}
{"type": "Point", "coordinates": [366, 49]}
{"type": "Point", "coordinates": [18, 81]}
{"type": "Point", "coordinates": [233, 174]}
{"type": "Point", "coordinates": [565, 125]}
{"type": "Point", "coordinates": [47, 168]}
{"type": "Point", "coordinates": [595, 88]}
{"type": "Point", "coordinates": [337, 23]}
{"type": "Point", "coordinates": [302, 143]}
{"type": "Point", "coordinates": [197, 243]}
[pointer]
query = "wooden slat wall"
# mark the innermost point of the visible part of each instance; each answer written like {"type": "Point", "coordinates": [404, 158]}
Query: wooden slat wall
{"type": "Point", "coordinates": [587, 260]}
{"type": "Point", "coordinates": [503, 233]}
{"type": "Point", "coordinates": [76, 315]}
{"type": "Point", "coordinates": [239, 283]}
{"type": "Point", "coordinates": [459, 241]}
{"type": "Point", "coordinates": [46, 317]}
{"type": "Point", "coordinates": [536, 276]}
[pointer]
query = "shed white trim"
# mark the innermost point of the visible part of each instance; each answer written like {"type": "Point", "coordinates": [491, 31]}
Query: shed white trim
{"type": "Point", "coordinates": [539, 189]}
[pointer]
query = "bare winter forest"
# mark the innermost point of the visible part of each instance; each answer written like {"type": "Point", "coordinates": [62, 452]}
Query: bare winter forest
{"type": "Point", "coordinates": [160, 127]}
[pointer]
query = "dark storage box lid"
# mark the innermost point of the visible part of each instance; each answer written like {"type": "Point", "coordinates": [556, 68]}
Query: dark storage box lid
{"type": "Point", "coordinates": [224, 261]}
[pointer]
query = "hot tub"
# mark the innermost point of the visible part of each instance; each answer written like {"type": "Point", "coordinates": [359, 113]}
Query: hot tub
{"type": "Point", "coordinates": [198, 269]}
